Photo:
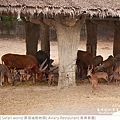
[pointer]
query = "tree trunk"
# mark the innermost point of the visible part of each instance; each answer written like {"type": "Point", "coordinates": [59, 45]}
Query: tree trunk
{"type": "Point", "coordinates": [91, 37]}
{"type": "Point", "coordinates": [44, 37]}
{"type": "Point", "coordinates": [68, 34]}
{"type": "Point", "coordinates": [32, 36]}
{"type": "Point", "coordinates": [67, 49]}
{"type": "Point", "coordinates": [116, 43]}
{"type": "Point", "coordinates": [32, 32]}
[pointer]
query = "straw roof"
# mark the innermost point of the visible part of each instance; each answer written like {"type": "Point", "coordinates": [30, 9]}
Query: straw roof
{"type": "Point", "coordinates": [101, 8]}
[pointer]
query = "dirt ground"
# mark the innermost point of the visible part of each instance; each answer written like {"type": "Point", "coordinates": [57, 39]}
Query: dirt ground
{"type": "Point", "coordinates": [39, 99]}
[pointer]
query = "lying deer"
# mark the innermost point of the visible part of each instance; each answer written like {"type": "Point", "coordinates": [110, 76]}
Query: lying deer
{"type": "Point", "coordinates": [95, 77]}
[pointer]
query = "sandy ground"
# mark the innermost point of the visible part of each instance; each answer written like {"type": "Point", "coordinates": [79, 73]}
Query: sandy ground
{"type": "Point", "coordinates": [39, 99]}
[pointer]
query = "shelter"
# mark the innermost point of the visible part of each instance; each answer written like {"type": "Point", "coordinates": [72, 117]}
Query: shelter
{"type": "Point", "coordinates": [67, 16]}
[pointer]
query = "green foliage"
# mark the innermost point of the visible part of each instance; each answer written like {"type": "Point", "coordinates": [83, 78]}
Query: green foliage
{"type": "Point", "coordinates": [7, 20]}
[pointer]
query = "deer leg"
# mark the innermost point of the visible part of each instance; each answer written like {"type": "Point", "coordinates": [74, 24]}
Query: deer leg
{"type": "Point", "coordinates": [107, 81]}
{"type": "Point", "coordinates": [34, 77]}
{"type": "Point", "coordinates": [53, 80]}
{"type": "Point", "coordinates": [25, 76]}
{"type": "Point", "coordinates": [116, 82]}
{"type": "Point", "coordinates": [5, 78]}
{"type": "Point", "coordinates": [21, 78]}
{"type": "Point", "coordinates": [92, 88]}
{"type": "Point", "coordinates": [1, 79]}
{"type": "Point", "coordinates": [49, 82]}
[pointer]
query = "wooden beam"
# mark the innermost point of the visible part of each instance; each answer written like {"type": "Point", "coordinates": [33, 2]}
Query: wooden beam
{"type": "Point", "coordinates": [98, 22]}
{"type": "Point", "coordinates": [91, 37]}
{"type": "Point", "coordinates": [116, 42]}
{"type": "Point", "coordinates": [104, 19]}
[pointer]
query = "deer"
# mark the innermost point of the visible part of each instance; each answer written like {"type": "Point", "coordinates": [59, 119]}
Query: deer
{"type": "Point", "coordinates": [51, 78]}
{"type": "Point", "coordinates": [116, 75]}
{"type": "Point", "coordinates": [95, 76]}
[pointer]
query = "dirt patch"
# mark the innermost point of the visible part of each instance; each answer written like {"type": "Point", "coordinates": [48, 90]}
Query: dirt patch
{"type": "Point", "coordinates": [51, 100]}
{"type": "Point", "coordinates": [40, 99]}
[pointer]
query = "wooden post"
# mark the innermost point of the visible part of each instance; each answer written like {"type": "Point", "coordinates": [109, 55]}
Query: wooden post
{"type": "Point", "coordinates": [44, 34]}
{"type": "Point", "coordinates": [91, 45]}
{"type": "Point", "coordinates": [116, 42]}
{"type": "Point", "coordinates": [44, 37]}
{"type": "Point", "coordinates": [31, 36]}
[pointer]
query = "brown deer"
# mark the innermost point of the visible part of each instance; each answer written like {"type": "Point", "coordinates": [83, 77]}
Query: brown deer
{"type": "Point", "coordinates": [51, 76]}
{"type": "Point", "coordinates": [96, 76]}
{"type": "Point", "coordinates": [93, 79]}
{"type": "Point", "coordinates": [116, 75]}
{"type": "Point", "coordinates": [51, 79]}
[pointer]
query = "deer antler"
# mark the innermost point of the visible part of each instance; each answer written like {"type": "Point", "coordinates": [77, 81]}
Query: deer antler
{"type": "Point", "coordinates": [92, 67]}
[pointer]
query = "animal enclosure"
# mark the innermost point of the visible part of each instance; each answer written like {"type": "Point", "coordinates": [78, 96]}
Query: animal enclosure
{"type": "Point", "coordinates": [51, 100]}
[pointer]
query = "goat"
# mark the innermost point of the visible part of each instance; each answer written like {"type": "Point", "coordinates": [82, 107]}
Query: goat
{"type": "Point", "coordinates": [4, 71]}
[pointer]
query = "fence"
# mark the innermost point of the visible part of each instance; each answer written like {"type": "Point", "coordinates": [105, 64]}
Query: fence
{"type": "Point", "coordinates": [17, 30]}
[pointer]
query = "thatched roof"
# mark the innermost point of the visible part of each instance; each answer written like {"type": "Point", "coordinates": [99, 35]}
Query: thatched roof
{"type": "Point", "coordinates": [101, 8]}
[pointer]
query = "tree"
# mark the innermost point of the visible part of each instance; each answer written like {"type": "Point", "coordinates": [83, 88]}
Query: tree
{"type": "Point", "coordinates": [6, 22]}
{"type": "Point", "coordinates": [32, 32]}
{"type": "Point", "coordinates": [68, 36]}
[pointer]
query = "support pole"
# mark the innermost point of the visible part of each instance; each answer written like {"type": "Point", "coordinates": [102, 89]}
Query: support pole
{"type": "Point", "coordinates": [91, 45]}
{"type": "Point", "coordinates": [44, 37]}
{"type": "Point", "coordinates": [116, 42]}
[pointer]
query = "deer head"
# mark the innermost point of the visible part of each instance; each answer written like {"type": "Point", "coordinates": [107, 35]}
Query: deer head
{"type": "Point", "coordinates": [89, 70]}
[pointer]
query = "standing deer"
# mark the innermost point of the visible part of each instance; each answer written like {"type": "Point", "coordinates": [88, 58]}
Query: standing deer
{"type": "Point", "coordinates": [51, 78]}
{"type": "Point", "coordinates": [116, 75]}
{"type": "Point", "coordinates": [93, 79]}
{"type": "Point", "coordinates": [96, 76]}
